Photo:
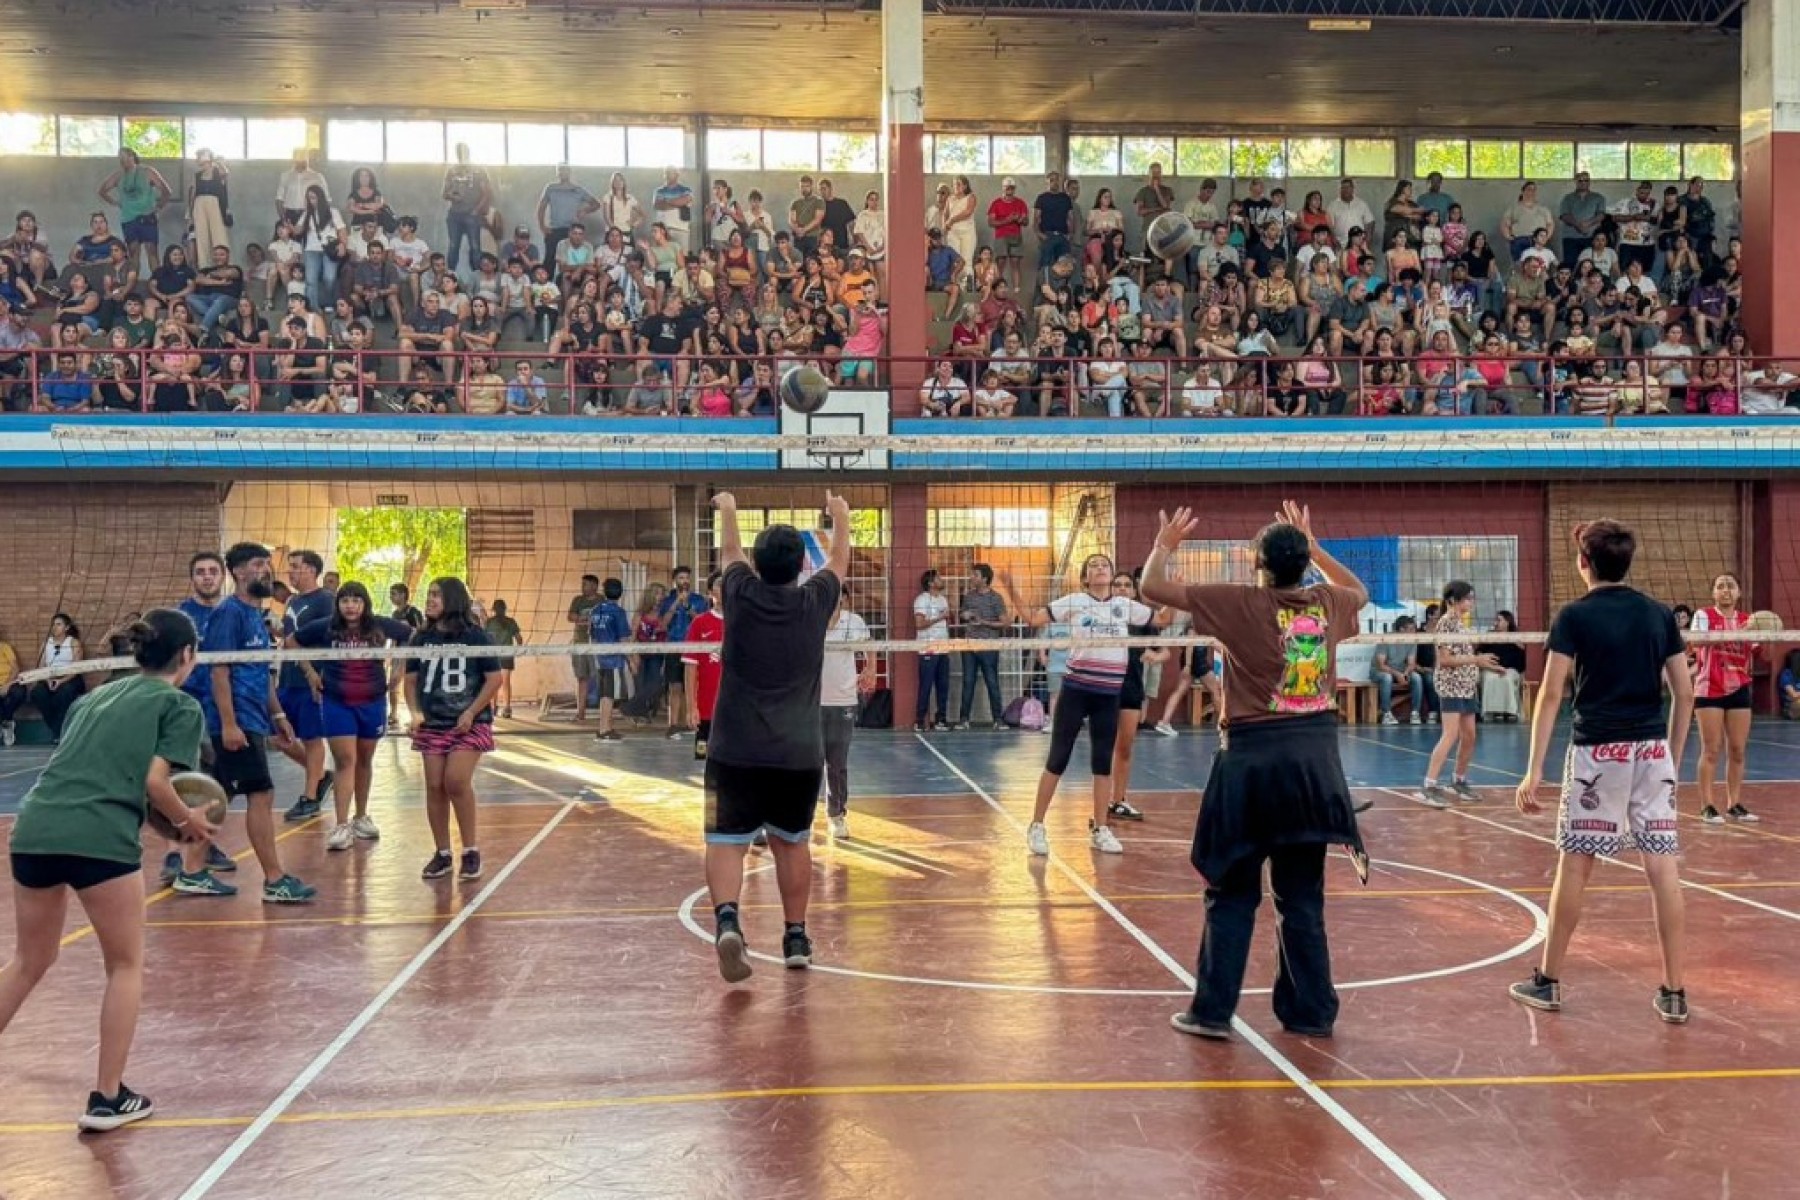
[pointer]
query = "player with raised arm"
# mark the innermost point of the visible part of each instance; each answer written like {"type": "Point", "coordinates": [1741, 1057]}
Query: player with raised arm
{"type": "Point", "coordinates": [1619, 778]}
{"type": "Point", "coordinates": [766, 757]}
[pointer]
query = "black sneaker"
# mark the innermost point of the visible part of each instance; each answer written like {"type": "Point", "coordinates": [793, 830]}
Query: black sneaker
{"type": "Point", "coordinates": [1540, 992]}
{"type": "Point", "coordinates": [1188, 1023]}
{"type": "Point", "coordinates": [439, 866]}
{"type": "Point", "coordinates": [1124, 811]}
{"type": "Point", "coordinates": [796, 949]}
{"type": "Point", "coordinates": [471, 865]}
{"type": "Point", "coordinates": [734, 956]}
{"type": "Point", "coordinates": [1711, 816]}
{"type": "Point", "coordinates": [1738, 812]}
{"type": "Point", "coordinates": [103, 1113]}
{"type": "Point", "coordinates": [1308, 1031]}
{"type": "Point", "coordinates": [1672, 1006]}
{"type": "Point", "coordinates": [609, 735]}
{"type": "Point", "coordinates": [304, 809]}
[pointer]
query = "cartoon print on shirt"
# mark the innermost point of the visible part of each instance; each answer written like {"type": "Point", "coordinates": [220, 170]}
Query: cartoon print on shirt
{"type": "Point", "coordinates": [1305, 685]}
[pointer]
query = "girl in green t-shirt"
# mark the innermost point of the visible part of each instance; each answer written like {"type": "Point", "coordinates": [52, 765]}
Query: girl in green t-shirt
{"type": "Point", "coordinates": [78, 831]}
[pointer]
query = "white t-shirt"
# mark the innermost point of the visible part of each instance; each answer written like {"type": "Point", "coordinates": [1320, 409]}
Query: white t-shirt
{"type": "Point", "coordinates": [837, 679]}
{"type": "Point", "coordinates": [1349, 214]}
{"type": "Point", "coordinates": [408, 255]}
{"type": "Point", "coordinates": [1098, 668]}
{"type": "Point", "coordinates": [931, 616]}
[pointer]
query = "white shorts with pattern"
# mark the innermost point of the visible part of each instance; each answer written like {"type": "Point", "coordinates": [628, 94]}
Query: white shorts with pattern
{"type": "Point", "coordinates": [1618, 796]}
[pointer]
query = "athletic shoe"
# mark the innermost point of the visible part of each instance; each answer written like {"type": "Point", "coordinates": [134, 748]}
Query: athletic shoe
{"type": "Point", "coordinates": [9, 733]}
{"type": "Point", "coordinates": [171, 867]}
{"type": "Point", "coordinates": [105, 1113]}
{"type": "Point", "coordinates": [1462, 791]}
{"type": "Point", "coordinates": [365, 829]}
{"type": "Point", "coordinates": [471, 865]}
{"type": "Point", "coordinates": [761, 840]}
{"type": "Point", "coordinates": [608, 735]}
{"type": "Point", "coordinates": [439, 866]}
{"type": "Point", "coordinates": [796, 949]}
{"type": "Point", "coordinates": [675, 735]}
{"type": "Point", "coordinates": [1308, 1031]}
{"type": "Point", "coordinates": [962, 727]}
{"type": "Point", "coordinates": [506, 713]}
{"type": "Point", "coordinates": [288, 890]}
{"type": "Point", "coordinates": [1101, 838]}
{"type": "Point", "coordinates": [1433, 795]}
{"type": "Point", "coordinates": [1124, 811]}
{"type": "Point", "coordinates": [1738, 812]}
{"type": "Point", "coordinates": [218, 861]}
{"type": "Point", "coordinates": [1539, 992]}
{"type": "Point", "coordinates": [1672, 1006]}
{"type": "Point", "coordinates": [942, 726]}
{"type": "Point", "coordinates": [202, 884]}
{"type": "Point", "coordinates": [1167, 730]}
{"type": "Point", "coordinates": [1188, 1023]}
{"type": "Point", "coordinates": [340, 837]}
{"type": "Point", "coordinates": [1414, 720]}
{"type": "Point", "coordinates": [840, 828]}
{"type": "Point", "coordinates": [1037, 838]}
{"type": "Point", "coordinates": [1389, 719]}
{"type": "Point", "coordinates": [1711, 816]}
{"type": "Point", "coordinates": [1000, 727]}
{"type": "Point", "coordinates": [734, 958]}
{"type": "Point", "coordinates": [304, 809]}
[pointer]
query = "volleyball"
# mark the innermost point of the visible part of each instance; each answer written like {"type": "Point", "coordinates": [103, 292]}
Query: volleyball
{"type": "Point", "coordinates": [199, 791]}
{"type": "Point", "coordinates": [804, 389]}
{"type": "Point", "coordinates": [1169, 236]}
{"type": "Point", "coordinates": [1764, 621]}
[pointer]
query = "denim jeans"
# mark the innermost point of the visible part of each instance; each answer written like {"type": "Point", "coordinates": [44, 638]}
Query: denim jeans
{"type": "Point", "coordinates": [321, 280]}
{"type": "Point", "coordinates": [934, 676]}
{"type": "Point", "coordinates": [986, 665]}
{"type": "Point", "coordinates": [208, 309]}
{"type": "Point", "coordinates": [460, 226]}
{"type": "Point", "coordinates": [1384, 691]}
{"type": "Point", "coordinates": [1304, 997]}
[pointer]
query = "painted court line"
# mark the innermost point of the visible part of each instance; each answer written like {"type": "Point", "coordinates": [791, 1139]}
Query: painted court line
{"type": "Point", "coordinates": [1370, 1141]}
{"type": "Point", "coordinates": [223, 1163]}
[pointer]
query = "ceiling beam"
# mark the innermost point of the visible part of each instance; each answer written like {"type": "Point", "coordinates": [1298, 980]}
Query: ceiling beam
{"type": "Point", "coordinates": [1688, 14]}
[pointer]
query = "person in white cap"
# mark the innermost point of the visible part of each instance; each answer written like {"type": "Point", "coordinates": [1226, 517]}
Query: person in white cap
{"type": "Point", "coordinates": [1007, 217]}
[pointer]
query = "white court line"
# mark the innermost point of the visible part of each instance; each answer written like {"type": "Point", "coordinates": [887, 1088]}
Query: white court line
{"type": "Point", "coordinates": [1515, 776]}
{"type": "Point", "coordinates": [210, 1177]}
{"type": "Point", "coordinates": [1370, 1140]}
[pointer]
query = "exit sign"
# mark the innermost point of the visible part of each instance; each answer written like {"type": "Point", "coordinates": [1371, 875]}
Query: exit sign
{"type": "Point", "coordinates": [391, 500]}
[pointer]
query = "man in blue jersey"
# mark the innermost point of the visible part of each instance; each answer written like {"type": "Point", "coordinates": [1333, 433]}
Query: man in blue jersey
{"type": "Point", "coordinates": [297, 689]}
{"type": "Point", "coordinates": [676, 612]}
{"type": "Point", "coordinates": [190, 867]}
{"type": "Point", "coordinates": [242, 713]}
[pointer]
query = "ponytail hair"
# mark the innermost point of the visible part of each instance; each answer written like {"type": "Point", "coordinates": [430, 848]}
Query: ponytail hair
{"type": "Point", "coordinates": [1456, 591]}
{"type": "Point", "coordinates": [158, 638]}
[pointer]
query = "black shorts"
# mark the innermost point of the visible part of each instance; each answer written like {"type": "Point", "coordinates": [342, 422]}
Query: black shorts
{"type": "Point", "coordinates": [38, 871]}
{"type": "Point", "coordinates": [243, 772]}
{"type": "Point", "coordinates": [610, 684]}
{"type": "Point", "coordinates": [1730, 702]}
{"type": "Point", "coordinates": [1131, 695]}
{"type": "Point", "coordinates": [740, 801]}
{"type": "Point", "coordinates": [1201, 662]}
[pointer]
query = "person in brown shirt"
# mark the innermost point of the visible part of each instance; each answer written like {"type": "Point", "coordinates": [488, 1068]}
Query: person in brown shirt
{"type": "Point", "coordinates": [1277, 791]}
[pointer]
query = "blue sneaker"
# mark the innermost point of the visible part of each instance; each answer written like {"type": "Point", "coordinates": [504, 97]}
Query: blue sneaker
{"type": "Point", "coordinates": [202, 883]}
{"type": "Point", "coordinates": [304, 809]}
{"type": "Point", "coordinates": [171, 867]}
{"type": "Point", "coordinates": [218, 860]}
{"type": "Point", "coordinates": [288, 890]}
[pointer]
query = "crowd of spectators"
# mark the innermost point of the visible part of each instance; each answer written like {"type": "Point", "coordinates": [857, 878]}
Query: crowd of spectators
{"type": "Point", "coordinates": [674, 303]}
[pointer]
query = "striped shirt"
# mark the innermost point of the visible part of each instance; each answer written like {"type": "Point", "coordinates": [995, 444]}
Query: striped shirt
{"type": "Point", "coordinates": [1098, 668]}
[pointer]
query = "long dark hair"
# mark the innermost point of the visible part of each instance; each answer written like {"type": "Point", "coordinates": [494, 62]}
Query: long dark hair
{"type": "Point", "coordinates": [365, 627]}
{"type": "Point", "coordinates": [455, 603]}
{"type": "Point", "coordinates": [157, 639]}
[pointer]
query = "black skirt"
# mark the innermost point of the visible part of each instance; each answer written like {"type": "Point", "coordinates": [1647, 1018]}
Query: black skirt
{"type": "Point", "coordinates": [1274, 784]}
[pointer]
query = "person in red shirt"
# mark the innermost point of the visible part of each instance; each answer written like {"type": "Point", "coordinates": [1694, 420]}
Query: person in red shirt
{"type": "Point", "coordinates": [703, 670]}
{"type": "Point", "coordinates": [1007, 216]}
{"type": "Point", "coordinates": [1722, 704]}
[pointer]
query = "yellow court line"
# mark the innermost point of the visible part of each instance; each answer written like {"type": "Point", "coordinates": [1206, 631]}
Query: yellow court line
{"type": "Point", "coordinates": [993, 1088]}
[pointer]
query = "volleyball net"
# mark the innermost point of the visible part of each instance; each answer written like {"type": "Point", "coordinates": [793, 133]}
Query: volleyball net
{"type": "Point", "coordinates": [522, 514]}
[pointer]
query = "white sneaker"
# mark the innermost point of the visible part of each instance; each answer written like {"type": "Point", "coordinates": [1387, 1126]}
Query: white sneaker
{"type": "Point", "coordinates": [9, 734]}
{"type": "Point", "coordinates": [1101, 838]}
{"type": "Point", "coordinates": [1389, 719]}
{"type": "Point", "coordinates": [1037, 839]}
{"type": "Point", "coordinates": [840, 829]}
{"type": "Point", "coordinates": [340, 838]}
{"type": "Point", "coordinates": [365, 828]}
{"type": "Point", "coordinates": [1166, 729]}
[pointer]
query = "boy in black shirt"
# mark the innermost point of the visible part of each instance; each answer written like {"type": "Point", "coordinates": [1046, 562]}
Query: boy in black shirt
{"type": "Point", "coordinates": [1619, 779]}
{"type": "Point", "coordinates": [766, 753]}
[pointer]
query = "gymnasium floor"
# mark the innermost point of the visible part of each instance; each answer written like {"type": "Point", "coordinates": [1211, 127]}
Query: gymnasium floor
{"type": "Point", "coordinates": [980, 1024]}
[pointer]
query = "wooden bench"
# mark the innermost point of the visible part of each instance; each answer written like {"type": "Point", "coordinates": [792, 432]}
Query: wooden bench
{"type": "Point", "coordinates": [1528, 705]}
{"type": "Point", "coordinates": [1199, 701]}
{"type": "Point", "coordinates": [1357, 702]}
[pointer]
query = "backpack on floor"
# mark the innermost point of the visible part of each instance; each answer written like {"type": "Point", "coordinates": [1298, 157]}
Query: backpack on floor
{"type": "Point", "coordinates": [876, 710]}
{"type": "Point", "coordinates": [1026, 712]}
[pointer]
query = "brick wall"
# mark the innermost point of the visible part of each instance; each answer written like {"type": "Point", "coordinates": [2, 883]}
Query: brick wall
{"type": "Point", "coordinates": [96, 551]}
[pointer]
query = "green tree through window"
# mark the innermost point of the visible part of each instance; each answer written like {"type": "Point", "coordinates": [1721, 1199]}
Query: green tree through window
{"type": "Point", "coordinates": [379, 547]}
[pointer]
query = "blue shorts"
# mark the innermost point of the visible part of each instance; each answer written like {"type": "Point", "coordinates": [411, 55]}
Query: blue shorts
{"type": "Point", "coordinates": [303, 712]}
{"type": "Point", "coordinates": [365, 722]}
{"type": "Point", "coordinates": [1459, 705]}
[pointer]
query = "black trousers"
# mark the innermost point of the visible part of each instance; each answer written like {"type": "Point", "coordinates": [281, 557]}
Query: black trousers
{"type": "Point", "coordinates": [1304, 997]}
{"type": "Point", "coordinates": [54, 704]}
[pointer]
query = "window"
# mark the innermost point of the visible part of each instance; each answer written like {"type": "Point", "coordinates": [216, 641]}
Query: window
{"type": "Point", "coordinates": [1369, 156]}
{"type": "Point", "coordinates": [790, 150]}
{"type": "Point", "coordinates": [1203, 158]}
{"type": "Point", "coordinates": [1019, 155]}
{"type": "Point", "coordinates": [224, 136]}
{"type": "Point", "coordinates": [154, 137]}
{"type": "Point", "coordinates": [1216, 562]}
{"type": "Point", "coordinates": [415, 142]}
{"type": "Point", "coordinates": [1602, 160]}
{"type": "Point", "coordinates": [27, 133]}
{"type": "Point", "coordinates": [1315, 157]}
{"type": "Point", "coordinates": [1093, 154]}
{"type": "Point", "coordinates": [958, 154]}
{"type": "Point", "coordinates": [596, 145]}
{"type": "Point", "coordinates": [1003, 528]}
{"type": "Point", "coordinates": [1493, 160]}
{"type": "Point", "coordinates": [1491, 564]}
{"type": "Point", "coordinates": [1253, 158]}
{"type": "Point", "coordinates": [734, 149]}
{"type": "Point", "coordinates": [88, 137]}
{"type": "Point", "coordinates": [1710, 160]}
{"type": "Point", "coordinates": [277, 138]}
{"type": "Point", "coordinates": [1656, 160]}
{"type": "Point", "coordinates": [354, 142]}
{"type": "Point", "coordinates": [868, 526]}
{"type": "Point", "coordinates": [858, 152]}
{"type": "Point", "coordinates": [529, 145]}
{"type": "Point", "coordinates": [655, 146]}
{"type": "Point", "coordinates": [1549, 160]}
{"type": "Point", "coordinates": [486, 141]}
{"type": "Point", "coordinates": [1449, 157]}
{"type": "Point", "coordinates": [1137, 153]}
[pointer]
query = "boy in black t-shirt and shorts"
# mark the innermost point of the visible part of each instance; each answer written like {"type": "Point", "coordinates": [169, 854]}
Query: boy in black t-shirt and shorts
{"type": "Point", "coordinates": [1619, 779]}
{"type": "Point", "coordinates": [766, 755]}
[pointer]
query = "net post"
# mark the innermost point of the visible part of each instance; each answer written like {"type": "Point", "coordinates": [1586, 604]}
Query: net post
{"type": "Point", "coordinates": [909, 557]}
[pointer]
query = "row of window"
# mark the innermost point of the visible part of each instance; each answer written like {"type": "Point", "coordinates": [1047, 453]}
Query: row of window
{"type": "Point", "coordinates": [531, 143]}
{"type": "Point", "coordinates": [1003, 528]}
